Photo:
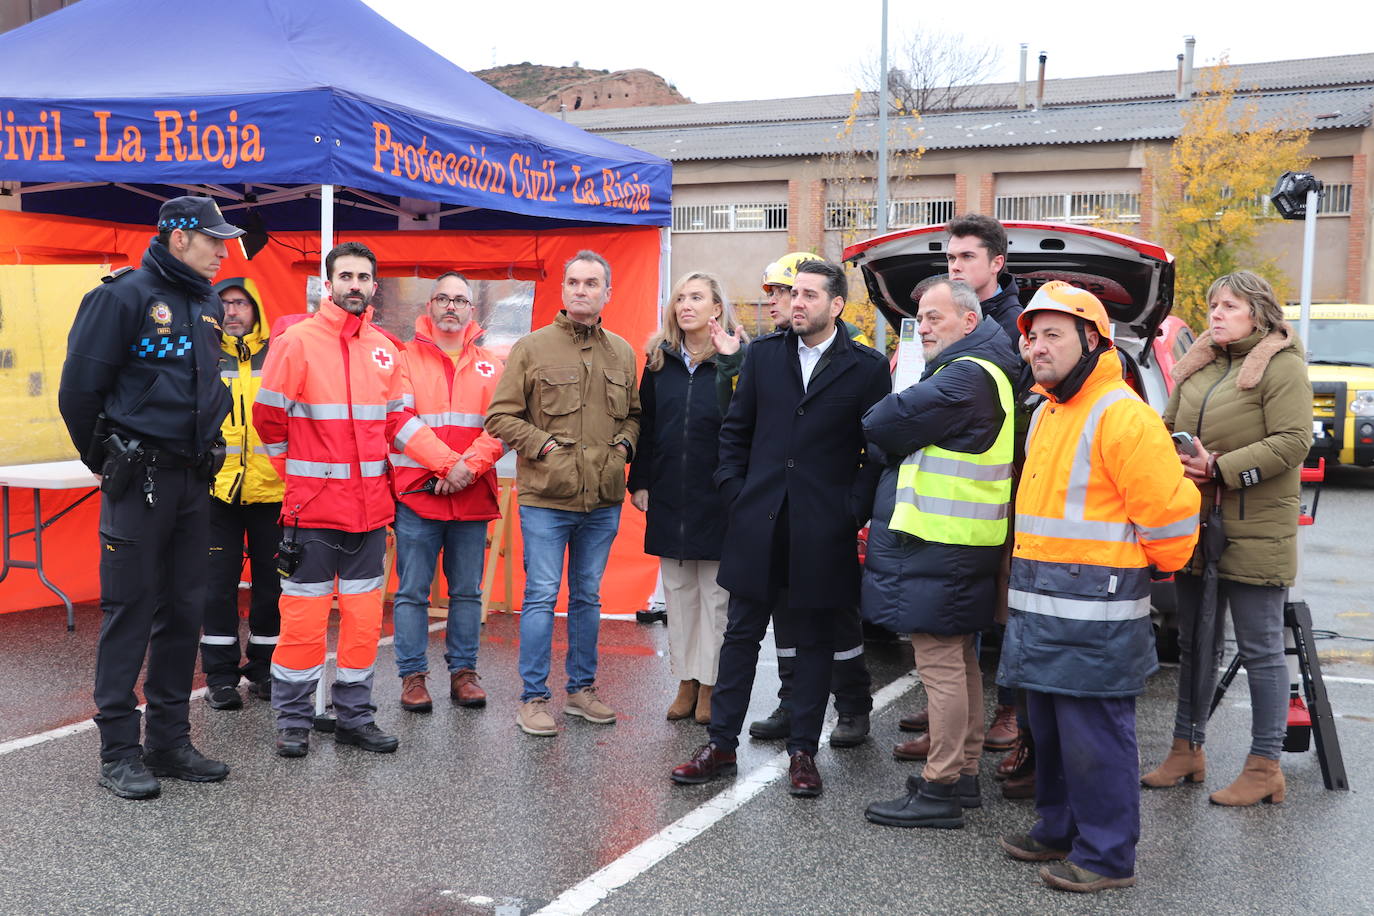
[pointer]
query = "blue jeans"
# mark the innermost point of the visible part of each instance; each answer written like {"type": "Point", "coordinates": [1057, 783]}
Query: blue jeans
{"type": "Point", "coordinates": [418, 542]}
{"type": "Point", "coordinates": [586, 537]}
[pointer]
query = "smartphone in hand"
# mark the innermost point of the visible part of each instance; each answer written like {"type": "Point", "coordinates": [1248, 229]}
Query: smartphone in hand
{"type": "Point", "coordinates": [1185, 444]}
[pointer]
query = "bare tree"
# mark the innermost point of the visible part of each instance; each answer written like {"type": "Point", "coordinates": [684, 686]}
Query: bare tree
{"type": "Point", "coordinates": [932, 70]}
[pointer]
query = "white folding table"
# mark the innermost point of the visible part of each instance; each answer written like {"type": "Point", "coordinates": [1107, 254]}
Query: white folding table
{"type": "Point", "coordinates": [48, 475]}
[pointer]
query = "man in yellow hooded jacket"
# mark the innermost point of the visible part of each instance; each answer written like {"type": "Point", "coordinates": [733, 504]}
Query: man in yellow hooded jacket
{"type": "Point", "coordinates": [245, 500]}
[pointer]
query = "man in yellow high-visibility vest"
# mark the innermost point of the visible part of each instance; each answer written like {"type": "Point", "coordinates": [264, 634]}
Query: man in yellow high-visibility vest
{"type": "Point", "coordinates": [935, 543]}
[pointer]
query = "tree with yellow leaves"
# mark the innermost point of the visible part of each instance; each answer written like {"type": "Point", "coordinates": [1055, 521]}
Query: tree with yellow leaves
{"type": "Point", "coordinates": [1211, 188]}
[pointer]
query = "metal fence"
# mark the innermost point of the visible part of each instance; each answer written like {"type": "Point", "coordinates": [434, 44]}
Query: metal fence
{"type": "Point", "coordinates": [902, 213]}
{"type": "Point", "coordinates": [1072, 207]}
{"type": "Point", "coordinates": [730, 217]}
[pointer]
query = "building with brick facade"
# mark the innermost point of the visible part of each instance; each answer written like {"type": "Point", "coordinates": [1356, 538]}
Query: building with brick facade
{"type": "Point", "coordinates": [755, 179]}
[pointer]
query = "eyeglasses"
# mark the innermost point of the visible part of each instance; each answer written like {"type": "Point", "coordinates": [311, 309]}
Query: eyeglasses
{"type": "Point", "coordinates": [461, 302]}
{"type": "Point", "coordinates": [236, 302]}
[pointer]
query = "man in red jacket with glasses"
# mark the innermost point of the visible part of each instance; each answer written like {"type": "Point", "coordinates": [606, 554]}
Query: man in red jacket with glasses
{"type": "Point", "coordinates": [448, 383]}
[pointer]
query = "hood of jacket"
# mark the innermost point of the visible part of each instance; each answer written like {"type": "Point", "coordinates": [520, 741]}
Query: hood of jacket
{"type": "Point", "coordinates": [250, 343]}
{"type": "Point", "coordinates": [1007, 297]}
{"type": "Point", "coordinates": [1257, 350]}
{"type": "Point", "coordinates": [425, 332]}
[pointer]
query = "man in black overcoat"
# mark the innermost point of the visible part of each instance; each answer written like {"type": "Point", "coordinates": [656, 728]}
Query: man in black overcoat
{"type": "Point", "coordinates": [794, 472]}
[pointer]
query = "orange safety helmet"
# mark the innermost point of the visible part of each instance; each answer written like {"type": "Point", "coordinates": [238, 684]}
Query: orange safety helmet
{"type": "Point", "coordinates": [784, 270]}
{"type": "Point", "coordinates": [1058, 296]}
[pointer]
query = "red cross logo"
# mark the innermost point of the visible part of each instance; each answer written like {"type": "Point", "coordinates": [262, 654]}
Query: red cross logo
{"type": "Point", "coordinates": [485, 369]}
{"type": "Point", "coordinates": [382, 357]}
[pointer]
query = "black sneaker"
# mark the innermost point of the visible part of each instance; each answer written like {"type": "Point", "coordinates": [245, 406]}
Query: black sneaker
{"type": "Point", "coordinates": [850, 731]}
{"type": "Point", "coordinates": [778, 725]}
{"type": "Point", "coordinates": [368, 737]}
{"type": "Point", "coordinates": [293, 742]}
{"type": "Point", "coordinates": [261, 689]}
{"type": "Point", "coordinates": [224, 698]}
{"type": "Point", "coordinates": [128, 777]}
{"type": "Point", "coordinates": [185, 762]}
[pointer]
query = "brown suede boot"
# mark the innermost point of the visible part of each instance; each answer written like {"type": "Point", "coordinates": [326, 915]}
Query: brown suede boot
{"type": "Point", "coordinates": [1261, 780]}
{"type": "Point", "coordinates": [1184, 764]}
{"type": "Point", "coordinates": [685, 702]}
{"type": "Point", "coordinates": [704, 704]}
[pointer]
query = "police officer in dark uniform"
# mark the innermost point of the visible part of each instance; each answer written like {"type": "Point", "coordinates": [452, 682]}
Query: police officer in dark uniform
{"type": "Point", "coordinates": [143, 402]}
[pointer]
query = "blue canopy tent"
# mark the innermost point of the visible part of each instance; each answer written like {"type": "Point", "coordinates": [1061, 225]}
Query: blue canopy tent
{"type": "Point", "coordinates": [110, 106]}
{"type": "Point", "coordinates": [301, 116]}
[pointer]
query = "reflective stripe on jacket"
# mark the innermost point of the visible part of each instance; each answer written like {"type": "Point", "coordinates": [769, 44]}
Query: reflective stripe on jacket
{"type": "Point", "coordinates": [247, 475]}
{"type": "Point", "coordinates": [956, 497]}
{"type": "Point", "coordinates": [1102, 498]}
{"type": "Point", "coordinates": [331, 402]}
{"type": "Point", "coordinates": [451, 399]}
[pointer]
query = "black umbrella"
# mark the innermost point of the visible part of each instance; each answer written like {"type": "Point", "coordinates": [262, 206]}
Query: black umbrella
{"type": "Point", "coordinates": [1205, 641]}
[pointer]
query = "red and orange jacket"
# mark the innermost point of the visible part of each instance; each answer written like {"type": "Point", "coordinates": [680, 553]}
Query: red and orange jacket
{"type": "Point", "coordinates": [450, 397]}
{"type": "Point", "coordinates": [331, 402]}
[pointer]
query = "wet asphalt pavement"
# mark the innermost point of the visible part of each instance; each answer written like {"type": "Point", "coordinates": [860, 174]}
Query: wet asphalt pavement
{"type": "Point", "coordinates": [471, 816]}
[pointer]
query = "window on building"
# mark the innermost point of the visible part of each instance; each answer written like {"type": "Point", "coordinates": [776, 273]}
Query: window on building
{"type": "Point", "coordinates": [902, 213]}
{"type": "Point", "coordinates": [730, 217]}
{"type": "Point", "coordinates": [1072, 207]}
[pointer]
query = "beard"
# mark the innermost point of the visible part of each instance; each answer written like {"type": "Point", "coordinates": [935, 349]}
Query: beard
{"type": "Point", "coordinates": [807, 326]}
{"type": "Point", "coordinates": [354, 305]}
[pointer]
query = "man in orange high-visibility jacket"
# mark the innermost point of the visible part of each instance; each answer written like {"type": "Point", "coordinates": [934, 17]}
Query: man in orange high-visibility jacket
{"type": "Point", "coordinates": [449, 381]}
{"type": "Point", "coordinates": [1102, 500]}
{"type": "Point", "coordinates": [330, 405]}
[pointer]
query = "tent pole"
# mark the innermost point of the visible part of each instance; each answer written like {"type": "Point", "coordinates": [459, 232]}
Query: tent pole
{"type": "Point", "coordinates": [665, 266]}
{"type": "Point", "coordinates": [326, 225]}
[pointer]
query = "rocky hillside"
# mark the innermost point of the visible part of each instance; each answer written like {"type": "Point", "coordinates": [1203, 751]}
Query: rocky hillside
{"type": "Point", "coordinates": [549, 88]}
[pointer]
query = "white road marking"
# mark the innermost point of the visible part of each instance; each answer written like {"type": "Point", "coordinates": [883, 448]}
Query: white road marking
{"type": "Point", "coordinates": [76, 728]}
{"type": "Point", "coordinates": [587, 893]}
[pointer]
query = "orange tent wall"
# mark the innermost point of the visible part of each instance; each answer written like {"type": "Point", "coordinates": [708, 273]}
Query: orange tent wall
{"type": "Point", "coordinates": [71, 547]}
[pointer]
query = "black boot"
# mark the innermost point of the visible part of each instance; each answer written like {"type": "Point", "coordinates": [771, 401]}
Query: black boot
{"type": "Point", "coordinates": [967, 788]}
{"type": "Point", "coordinates": [935, 805]}
{"type": "Point", "coordinates": [850, 731]}
{"type": "Point", "coordinates": [777, 726]}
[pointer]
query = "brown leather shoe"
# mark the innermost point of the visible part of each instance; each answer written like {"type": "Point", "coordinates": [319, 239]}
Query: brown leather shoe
{"type": "Point", "coordinates": [706, 764]}
{"type": "Point", "coordinates": [1019, 781]}
{"type": "Point", "coordinates": [803, 777]}
{"type": "Point", "coordinates": [462, 687]}
{"type": "Point", "coordinates": [915, 749]}
{"type": "Point", "coordinates": [916, 722]}
{"type": "Point", "coordinates": [1022, 753]}
{"type": "Point", "coordinates": [1001, 734]}
{"type": "Point", "coordinates": [414, 695]}
{"type": "Point", "coordinates": [1021, 786]}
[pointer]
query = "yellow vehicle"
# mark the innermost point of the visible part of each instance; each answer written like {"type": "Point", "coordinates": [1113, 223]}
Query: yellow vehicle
{"type": "Point", "coordinates": [1342, 373]}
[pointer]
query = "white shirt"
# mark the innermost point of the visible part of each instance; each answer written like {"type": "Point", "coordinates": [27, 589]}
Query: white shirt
{"type": "Point", "coordinates": [809, 356]}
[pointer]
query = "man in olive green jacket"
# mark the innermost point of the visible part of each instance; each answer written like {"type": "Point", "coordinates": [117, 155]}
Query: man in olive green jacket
{"type": "Point", "coordinates": [569, 407]}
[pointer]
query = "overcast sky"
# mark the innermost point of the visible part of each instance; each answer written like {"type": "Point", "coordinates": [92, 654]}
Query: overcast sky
{"type": "Point", "coordinates": [719, 50]}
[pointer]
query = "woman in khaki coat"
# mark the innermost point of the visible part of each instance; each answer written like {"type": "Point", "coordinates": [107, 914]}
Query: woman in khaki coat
{"type": "Point", "coordinates": [1243, 393]}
